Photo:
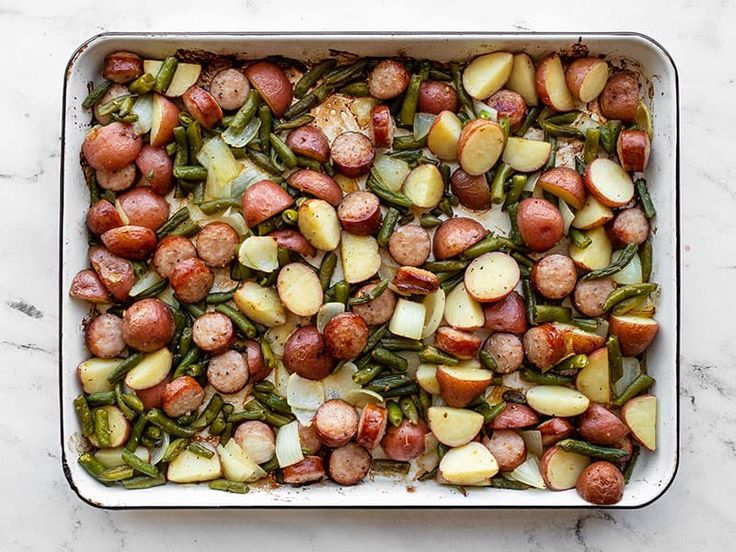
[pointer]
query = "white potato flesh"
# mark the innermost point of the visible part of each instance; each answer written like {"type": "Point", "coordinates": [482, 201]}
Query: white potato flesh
{"type": "Point", "coordinates": [561, 469]}
{"type": "Point", "coordinates": [407, 319]}
{"type": "Point", "coordinates": [521, 79]}
{"type": "Point", "coordinates": [609, 182]}
{"type": "Point", "coordinates": [556, 400]}
{"type": "Point", "coordinates": [93, 374]}
{"type": "Point", "coordinates": [319, 224]}
{"type": "Point", "coordinates": [454, 427]}
{"type": "Point", "coordinates": [118, 424]}
{"type": "Point", "coordinates": [299, 289]}
{"type": "Point", "coordinates": [392, 171]}
{"type": "Point", "coordinates": [631, 273]}
{"type": "Point", "coordinates": [150, 371]}
{"type": "Point", "coordinates": [594, 380]}
{"type": "Point", "coordinates": [594, 81]}
{"type": "Point", "coordinates": [424, 186]}
{"type": "Point", "coordinates": [360, 257]}
{"type": "Point", "coordinates": [487, 74]}
{"type": "Point", "coordinates": [492, 276]}
{"type": "Point", "coordinates": [462, 311]}
{"type": "Point", "coordinates": [640, 415]}
{"type": "Point", "coordinates": [553, 79]}
{"type": "Point", "coordinates": [327, 312]}
{"type": "Point", "coordinates": [259, 253]}
{"type": "Point", "coordinates": [526, 155]}
{"type": "Point", "coordinates": [434, 304]}
{"type": "Point", "coordinates": [597, 255]}
{"type": "Point", "coordinates": [480, 146]}
{"type": "Point", "coordinates": [467, 372]}
{"type": "Point", "coordinates": [592, 215]}
{"type": "Point", "coordinates": [362, 108]}
{"type": "Point", "coordinates": [260, 304]}
{"type": "Point", "coordinates": [192, 468]}
{"type": "Point", "coordinates": [444, 134]}
{"type": "Point", "coordinates": [427, 378]}
{"type": "Point", "coordinates": [469, 464]}
{"type": "Point", "coordinates": [186, 75]}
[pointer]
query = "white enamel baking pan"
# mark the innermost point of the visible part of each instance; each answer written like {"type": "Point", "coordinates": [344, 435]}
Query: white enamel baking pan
{"type": "Point", "coordinates": [654, 471]}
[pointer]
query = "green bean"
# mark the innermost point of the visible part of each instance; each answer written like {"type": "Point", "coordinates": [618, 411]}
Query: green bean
{"type": "Point", "coordinates": [127, 411]}
{"type": "Point", "coordinates": [405, 143]}
{"type": "Point", "coordinates": [139, 465]}
{"type": "Point", "coordinates": [311, 77]}
{"type": "Point", "coordinates": [116, 473]}
{"type": "Point", "coordinates": [177, 218]}
{"type": "Point", "coordinates": [387, 226]}
{"type": "Point", "coordinates": [124, 367]}
{"type": "Point", "coordinates": [290, 216]}
{"type": "Point", "coordinates": [571, 363]}
{"type": "Point", "coordinates": [462, 95]}
{"type": "Point", "coordinates": [84, 415]}
{"type": "Point", "coordinates": [609, 135]}
{"type": "Point", "coordinates": [530, 301]}
{"type": "Point", "coordinates": [429, 221]}
{"type": "Point", "coordinates": [533, 376]}
{"type": "Point", "coordinates": [182, 151]}
{"type": "Point", "coordinates": [518, 182]}
{"type": "Point", "coordinates": [552, 154]}
{"type": "Point", "coordinates": [247, 415]}
{"type": "Point", "coordinates": [373, 294]}
{"type": "Point", "coordinates": [283, 256]}
{"type": "Point", "coordinates": [283, 151]}
{"type": "Point", "coordinates": [409, 409]}
{"type": "Point", "coordinates": [185, 118]}
{"type": "Point", "coordinates": [627, 292]}
{"type": "Point", "coordinates": [229, 486]}
{"type": "Point", "coordinates": [217, 427]}
{"type": "Point", "coordinates": [307, 102]}
{"type": "Point", "coordinates": [342, 291]}
{"type": "Point", "coordinates": [357, 89]}
{"type": "Point", "coordinates": [294, 123]}
{"type": "Point", "coordinates": [641, 383]}
{"type": "Point", "coordinates": [427, 475]}
{"type": "Point", "coordinates": [245, 326]}
{"type": "Point", "coordinates": [194, 139]}
{"type": "Point", "coordinates": [268, 355]}
{"type": "Point", "coordinates": [306, 163]}
{"type": "Point", "coordinates": [497, 191]}
{"type": "Point", "coordinates": [445, 207]}
{"type": "Point", "coordinates": [343, 75]}
{"type": "Point", "coordinates": [190, 172]}
{"type": "Point", "coordinates": [487, 244]}
{"type": "Point", "coordinates": [560, 131]}
{"type": "Point", "coordinates": [218, 297]}
{"type": "Point", "coordinates": [390, 359]}
{"type": "Point", "coordinates": [445, 266]}
{"type": "Point", "coordinates": [566, 118]}
{"type": "Point", "coordinates": [246, 112]}
{"type": "Point", "coordinates": [501, 482]}
{"type": "Point", "coordinates": [390, 467]}
{"type": "Point", "coordinates": [490, 412]}
{"type": "Point", "coordinates": [586, 324]}
{"type": "Point", "coordinates": [615, 358]}
{"type": "Point", "coordinates": [137, 432]}
{"type": "Point", "coordinates": [96, 93]}
{"type": "Point", "coordinates": [264, 131]}
{"type": "Point", "coordinates": [144, 482]}
{"type": "Point", "coordinates": [227, 432]}
{"type": "Point", "coordinates": [158, 418]}
{"type": "Point", "coordinates": [645, 256]}
{"type": "Point", "coordinates": [152, 290]}
{"type": "Point", "coordinates": [588, 449]}
{"type": "Point", "coordinates": [91, 464]}
{"type": "Point", "coordinates": [185, 341]}
{"type": "Point", "coordinates": [174, 449]}
{"type": "Point", "coordinates": [579, 239]}
{"type": "Point", "coordinates": [386, 383]}
{"type": "Point", "coordinates": [625, 258]}
{"type": "Point", "coordinates": [487, 360]}
{"type": "Point", "coordinates": [217, 205]}
{"type": "Point", "coordinates": [327, 269]}
{"type": "Point", "coordinates": [629, 470]}
{"type": "Point", "coordinates": [433, 356]}
{"type": "Point", "coordinates": [552, 313]}
{"type": "Point", "coordinates": [375, 337]}
{"type": "Point", "coordinates": [394, 343]}
{"type": "Point", "coordinates": [165, 74]}
{"type": "Point", "coordinates": [592, 140]}
{"type": "Point", "coordinates": [645, 199]}
{"type": "Point", "coordinates": [187, 228]}
{"type": "Point", "coordinates": [451, 283]}
{"type": "Point", "coordinates": [579, 167]}
{"type": "Point", "coordinates": [209, 413]}
{"type": "Point", "coordinates": [395, 414]}
{"type": "Point", "coordinates": [102, 428]}
{"type": "Point", "coordinates": [368, 374]}
{"type": "Point", "coordinates": [506, 127]}
{"type": "Point", "coordinates": [101, 398]}
{"type": "Point", "coordinates": [277, 420]}
{"type": "Point", "coordinates": [275, 402]}
{"type": "Point", "coordinates": [154, 432]}
{"type": "Point", "coordinates": [529, 120]}
{"type": "Point", "coordinates": [200, 450]}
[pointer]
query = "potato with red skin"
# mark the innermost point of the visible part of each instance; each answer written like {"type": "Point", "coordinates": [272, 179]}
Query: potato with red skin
{"type": "Point", "coordinates": [202, 106]}
{"type": "Point", "coordinates": [181, 396]}
{"type": "Point", "coordinates": [102, 216]}
{"type": "Point", "coordinates": [459, 387]}
{"type": "Point", "coordinates": [191, 280]}
{"type": "Point", "coordinates": [554, 430]}
{"type": "Point", "coordinates": [217, 244]}
{"type": "Point", "coordinates": [455, 235]}
{"type": "Point", "coordinates": [86, 285]}
{"type": "Point", "coordinates": [565, 183]}
{"type": "Point", "coordinates": [463, 345]}
{"type": "Point", "coordinates": [360, 213]}
{"type": "Point", "coordinates": [306, 354]}
{"type": "Point", "coordinates": [590, 295]}
{"type": "Point", "coordinates": [257, 366]}
{"type": "Point", "coordinates": [540, 224]}
{"type": "Point", "coordinates": [346, 335]}
{"type": "Point", "coordinates": [170, 251]}
{"type": "Point", "coordinates": [230, 88]}
{"type": "Point", "coordinates": [507, 447]}
{"type": "Point", "coordinates": [629, 226]}
{"type": "Point", "coordinates": [626, 445]}
{"type": "Point", "coordinates": [506, 351]}
{"type": "Point", "coordinates": [353, 154]}
{"type": "Point", "coordinates": [116, 273]}
{"type": "Point", "coordinates": [157, 169]}
{"type": "Point", "coordinates": [601, 483]}
{"type": "Point", "coordinates": [309, 141]}
{"type": "Point", "coordinates": [601, 426]}
{"type": "Point", "coordinates": [586, 77]}
{"type": "Point", "coordinates": [309, 470]}
{"type": "Point", "coordinates": [103, 336]}
{"type": "Point", "coordinates": [510, 105]}
{"type": "Point", "coordinates": [514, 416]}
{"type": "Point", "coordinates": [263, 200]}
{"type": "Point", "coordinates": [153, 397]}
{"type": "Point", "coordinates": [115, 91]}
{"type": "Point", "coordinates": [122, 67]}
{"type": "Point", "coordinates": [410, 245]}
{"type": "Point", "coordinates": [635, 333]}
{"type": "Point", "coordinates": [436, 96]}
{"type": "Point", "coordinates": [130, 242]}
{"type": "Point", "coordinates": [111, 147]}
{"type": "Point", "coordinates": [506, 315]}
{"type": "Point", "coordinates": [551, 86]}
{"type": "Point", "coordinates": [383, 126]}
{"type": "Point", "coordinates": [143, 207]}
{"type": "Point", "coordinates": [411, 280]}
{"type": "Point", "coordinates": [388, 79]}
{"type": "Point", "coordinates": [148, 325]}
{"type": "Point", "coordinates": [554, 276]}
{"type": "Point", "coordinates": [379, 310]}
{"type": "Point", "coordinates": [293, 240]}
{"type": "Point", "coordinates": [544, 346]}
{"type": "Point", "coordinates": [371, 426]}
{"type": "Point", "coordinates": [318, 184]}
{"type": "Point", "coordinates": [165, 120]}
{"type": "Point", "coordinates": [272, 84]}
{"type": "Point", "coordinates": [633, 148]}
{"type": "Point", "coordinates": [336, 422]}
{"type": "Point", "coordinates": [473, 192]}
{"type": "Point", "coordinates": [406, 442]}
{"type": "Point", "coordinates": [620, 97]}
{"type": "Point", "coordinates": [117, 180]}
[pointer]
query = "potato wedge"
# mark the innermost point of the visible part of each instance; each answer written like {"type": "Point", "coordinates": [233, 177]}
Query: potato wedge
{"type": "Point", "coordinates": [460, 386]}
{"type": "Point", "coordinates": [583, 342]}
{"type": "Point", "coordinates": [164, 118]}
{"type": "Point", "coordinates": [93, 374]}
{"type": "Point", "coordinates": [186, 75]}
{"type": "Point", "coordinates": [407, 319]}
{"type": "Point", "coordinates": [592, 215]}
{"type": "Point", "coordinates": [299, 289]}
{"type": "Point", "coordinates": [594, 381]}
{"type": "Point", "coordinates": [633, 148]}
{"type": "Point", "coordinates": [635, 333]}
{"type": "Point", "coordinates": [597, 254]}
{"type": "Point", "coordinates": [470, 464]}
{"type": "Point", "coordinates": [479, 146]}
{"type": "Point", "coordinates": [564, 183]}
{"type": "Point", "coordinates": [487, 74]}
{"type": "Point", "coordinates": [640, 414]}
{"type": "Point", "coordinates": [427, 378]}
{"type": "Point", "coordinates": [609, 182]}
{"type": "Point", "coordinates": [454, 427]}
{"type": "Point", "coordinates": [444, 135]}
{"type": "Point", "coordinates": [522, 79]}
{"type": "Point", "coordinates": [272, 84]}
{"type": "Point", "coordinates": [119, 427]}
{"type": "Point", "coordinates": [556, 400]}
{"type": "Point", "coordinates": [360, 257]}
{"type": "Point", "coordinates": [560, 469]}
{"type": "Point", "coordinates": [551, 84]}
{"type": "Point", "coordinates": [526, 155]}
{"type": "Point", "coordinates": [192, 468]}
{"type": "Point", "coordinates": [492, 276]}
{"type": "Point", "coordinates": [424, 186]}
{"type": "Point", "coordinates": [112, 457]}
{"type": "Point", "coordinates": [586, 78]}
{"type": "Point", "coordinates": [150, 371]}
{"type": "Point", "coordinates": [434, 303]}
{"type": "Point", "coordinates": [260, 304]}
{"type": "Point", "coordinates": [319, 224]}
{"type": "Point", "coordinates": [462, 311]}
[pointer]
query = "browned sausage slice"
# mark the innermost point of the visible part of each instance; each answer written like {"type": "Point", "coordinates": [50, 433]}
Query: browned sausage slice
{"type": "Point", "coordinates": [130, 242]}
{"type": "Point", "coordinates": [230, 88]}
{"type": "Point", "coordinates": [102, 216]}
{"type": "Point", "coordinates": [202, 105]}
{"type": "Point", "coordinates": [117, 180]}
{"type": "Point", "coordinates": [257, 367]}
{"type": "Point", "coordinates": [409, 245]}
{"type": "Point", "coordinates": [213, 332]}
{"type": "Point", "coordinates": [463, 345]}
{"type": "Point", "coordinates": [383, 126]}
{"type": "Point", "coordinates": [191, 280]}
{"type": "Point", "coordinates": [111, 147]}
{"type": "Point", "coordinates": [509, 104]}
{"type": "Point", "coordinates": [143, 207]}
{"type": "Point", "coordinates": [228, 372]}
{"type": "Point", "coordinates": [153, 397]}
{"type": "Point", "coordinates": [436, 97]}
{"type": "Point", "coordinates": [620, 97]}
{"type": "Point", "coordinates": [360, 213]}
{"type": "Point", "coordinates": [263, 200]}
{"type": "Point", "coordinates": [506, 315]}
{"type": "Point", "coordinates": [349, 464]}
{"type": "Point", "coordinates": [217, 244]}
{"type": "Point", "coordinates": [148, 325]}
{"type": "Point", "coordinates": [630, 226]}
{"type": "Point", "coordinates": [346, 335]}
{"type": "Point", "coordinates": [506, 350]}
{"type": "Point", "coordinates": [121, 67]}
{"type": "Point", "coordinates": [181, 396]}
{"type": "Point", "coordinates": [336, 422]}
{"type": "Point", "coordinates": [305, 353]}
{"type": "Point", "coordinates": [544, 346]}
{"type": "Point", "coordinates": [507, 447]}
{"type": "Point", "coordinates": [86, 285]}
{"type": "Point", "coordinates": [115, 272]}
{"type": "Point", "coordinates": [104, 336]}
{"type": "Point", "coordinates": [371, 426]}
{"type": "Point", "coordinates": [514, 416]}
{"type": "Point", "coordinates": [411, 280]}
{"type": "Point", "coordinates": [318, 184]}
{"type": "Point", "coordinates": [554, 276]}
{"type": "Point", "coordinates": [293, 240]}
{"type": "Point", "coordinates": [590, 295]}
{"type": "Point", "coordinates": [157, 169]}
{"type": "Point", "coordinates": [309, 470]}
{"type": "Point", "coordinates": [379, 310]}
{"type": "Point", "coordinates": [554, 429]}
{"type": "Point", "coordinates": [388, 79]}
{"type": "Point", "coordinates": [171, 251]}
{"type": "Point", "coordinates": [353, 154]}
{"type": "Point", "coordinates": [310, 142]}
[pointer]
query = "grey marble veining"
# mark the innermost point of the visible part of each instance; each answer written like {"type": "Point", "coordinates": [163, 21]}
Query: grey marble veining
{"type": "Point", "coordinates": [39, 512]}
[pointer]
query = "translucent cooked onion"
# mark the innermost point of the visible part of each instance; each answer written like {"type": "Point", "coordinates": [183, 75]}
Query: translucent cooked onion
{"type": "Point", "coordinates": [288, 446]}
{"type": "Point", "coordinates": [304, 393]}
{"type": "Point", "coordinates": [528, 473]}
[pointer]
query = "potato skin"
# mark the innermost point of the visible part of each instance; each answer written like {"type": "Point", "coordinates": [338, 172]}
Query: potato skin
{"type": "Point", "coordinates": [309, 141]}
{"type": "Point", "coordinates": [102, 216]}
{"type": "Point", "coordinates": [555, 429]}
{"type": "Point", "coordinates": [436, 96]}
{"type": "Point", "coordinates": [86, 285]}
{"type": "Point", "coordinates": [130, 242]}
{"type": "Point", "coordinates": [143, 207]}
{"type": "Point", "coordinates": [514, 416]}
{"type": "Point", "coordinates": [473, 192]}
{"type": "Point", "coordinates": [506, 315]}
{"type": "Point", "coordinates": [620, 97]}
{"type": "Point", "coordinates": [577, 71]}
{"type": "Point", "coordinates": [318, 184]}
{"type": "Point", "coordinates": [346, 335]}
{"type": "Point", "coordinates": [455, 235]}
{"type": "Point", "coordinates": [509, 104]}
{"type": "Point", "coordinates": [294, 241]}
{"type": "Point", "coordinates": [601, 426]}
{"type": "Point", "coordinates": [157, 169]}
{"type": "Point", "coordinates": [272, 84]}
{"type": "Point", "coordinates": [111, 147]}
{"type": "Point", "coordinates": [463, 345]}
{"type": "Point", "coordinates": [148, 325]}
{"type": "Point", "coordinates": [306, 354]}
{"type": "Point", "coordinates": [540, 224]}
{"type": "Point", "coordinates": [115, 272]}
{"type": "Point", "coordinates": [601, 483]}
{"type": "Point", "coordinates": [406, 442]}
{"type": "Point", "coordinates": [567, 179]}
{"type": "Point", "coordinates": [263, 200]}
{"type": "Point", "coordinates": [457, 392]}
{"type": "Point", "coordinates": [634, 338]}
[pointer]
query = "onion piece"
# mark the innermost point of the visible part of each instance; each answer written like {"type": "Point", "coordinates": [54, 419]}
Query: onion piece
{"type": "Point", "coordinates": [408, 319]}
{"type": "Point", "coordinates": [304, 415]}
{"type": "Point", "coordinates": [533, 441]}
{"type": "Point", "coordinates": [531, 182]}
{"type": "Point", "coordinates": [359, 398]}
{"type": "Point", "coordinates": [288, 446]}
{"type": "Point", "coordinates": [391, 171]}
{"type": "Point", "coordinates": [422, 123]}
{"type": "Point", "coordinates": [631, 370]}
{"type": "Point", "coordinates": [149, 279]}
{"type": "Point", "coordinates": [158, 452]}
{"type": "Point", "coordinates": [250, 174]}
{"type": "Point", "coordinates": [167, 296]}
{"type": "Point", "coordinates": [304, 393]}
{"type": "Point", "coordinates": [340, 382]}
{"type": "Point", "coordinates": [434, 303]}
{"type": "Point", "coordinates": [485, 111]}
{"type": "Point", "coordinates": [243, 137]}
{"type": "Point", "coordinates": [631, 273]}
{"type": "Point", "coordinates": [222, 168]}
{"type": "Point", "coordinates": [528, 473]}
{"type": "Point", "coordinates": [567, 215]}
{"type": "Point", "coordinates": [143, 108]}
{"type": "Point", "coordinates": [259, 253]}
{"type": "Point", "coordinates": [362, 108]}
{"type": "Point", "coordinates": [326, 313]}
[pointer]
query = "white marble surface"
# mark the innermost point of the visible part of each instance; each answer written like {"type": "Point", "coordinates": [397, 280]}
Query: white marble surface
{"type": "Point", "coordinates": [38, 510]}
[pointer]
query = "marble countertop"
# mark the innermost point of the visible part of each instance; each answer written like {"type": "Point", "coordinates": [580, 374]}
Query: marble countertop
{"type": "Point", "coordinates": [39, 511]}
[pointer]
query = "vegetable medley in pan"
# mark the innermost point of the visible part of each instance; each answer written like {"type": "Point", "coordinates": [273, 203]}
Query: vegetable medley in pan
{"type": "Point", "coordinates": [368, 267]}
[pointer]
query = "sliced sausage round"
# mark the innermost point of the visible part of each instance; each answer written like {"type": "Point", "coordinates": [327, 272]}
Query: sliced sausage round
{"type": "Point", "coordinates": [117, 180]}
{"type": "Point", "coordinates": [346, 335]}
{"type": "Point", "coordinates": [257, 440]}
{"type": "Point", "coordinates": [257, 368]}
{"type": "Point", "coordinates": [555, 429]}
{"type": "Point", "coordinates": [506, 315]}
{"type": "Point", "coordinates": [130, 242]}
{"type": "Point", "coordinates": [406, 442]}
{"type": "Point", "coordinates": [463, 345]}
{"type": "Point", "coordinates": [305, 353]}
{"type": "Point", "coordinates": [509, 104]}
{"type": "Point", "coordinates": [191, 280]}
{"type": "Point", "coordinates": [410, 245]}
{"type": "Point", "coordinates": [349, 464]}
{"type": "Point", "coordinates": [227, 372]}
{"type": "Point", "coordinates": [353, 154]}
{"type": "Point", "coordinates": [157, 169]}
{"type": "Point", "coordinates": [122, 67]}
{"type": "Point", "coordinates": [86, 285]}
{"type": "Point", "coordinates": [181, 396]}
{"type": "Point", "coordinates": [143, 207]}
{"type": "Point", "coordinates": [111, 147]}
{"type": "Point", "coordinates": [436, 97]}
{"type": "Point", "coordinates": [620, 97]}
{"type": "Point", "coordinates": [590, 295]}
{"type": "Point", "coordinates": [309, 470]}
{"type": "Point", "coordinates": [388, 79]}
{"type": "Point", "coordinates": [410, 280]}
{"type": "Point", "coordinates": [202, 106]}
{"type": "Point", "coordinates": [336, 422]}
{"type": "Point", "coordinates": [309, 439]}
{"type": "Point", "coordinates": [170, 251]}
{"type": "Point", "coordinates": [116, 273]}
{"type": "Point", "coordinates": [217, 244]}
{"type": "Point", "coordinates": [554, 276]}
{"type": "Point", "coordinates": [115, 91]}
{"type": "Point", "coordinates": [230, 88]}
{"type": "Point", "coordinates": [371, 426]}
{"type": "Point", "coordinates": [506, 350]}
{"type": "Point", "coordinates": [153, 397]}
{"type": "Point", "coordinates": [630, 226]}
{"type": "Point", "coordinates": [383, 126]}
{"type": "Point", "coordinates": [102, 216]}
{"type": "Point", "coordinates": [213, 332]}
{"type": "Point", "coordinates": [104, 336]}
{"type": "Point", "coordinates": [378, 311]}
{"type": "Point", "coordinates": [507, 447]}
{"type": "Point", "coordinates": [360, 213]}
{"type": "Point", "coordinates": [309, 141]}
{"type": "Point", "coordinates": [148, 325]}
{"type": "Point", "coordinates": [544, 346]}
{"type": "Point", "coordinates": [455, 235]}
{"type": "Point", "coordinates": [318, 184]}
{"type": "Point", "coordinates": [514, 416]}
{"type": "Point", "coordinates": [473, 192]}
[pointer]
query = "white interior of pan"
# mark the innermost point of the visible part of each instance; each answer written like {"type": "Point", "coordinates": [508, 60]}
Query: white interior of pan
{"type": "Point", "coordinates": [654, 471]}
